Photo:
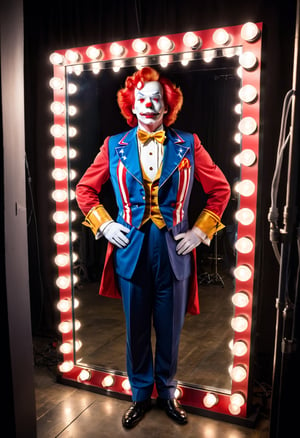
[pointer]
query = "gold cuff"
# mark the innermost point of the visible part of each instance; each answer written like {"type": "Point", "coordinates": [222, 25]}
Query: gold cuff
{"type": "Point", "coordinates": [209, 223]}
{"type": "Point", "coordinates": [96, 217]}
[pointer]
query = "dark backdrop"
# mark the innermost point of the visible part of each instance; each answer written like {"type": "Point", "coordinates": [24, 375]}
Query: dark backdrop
{"type": "Point", "coordinates": [52, 25]}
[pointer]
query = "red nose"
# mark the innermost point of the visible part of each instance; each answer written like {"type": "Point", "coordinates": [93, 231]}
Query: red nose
{"type": "Point", "coordinates": [148, 105]}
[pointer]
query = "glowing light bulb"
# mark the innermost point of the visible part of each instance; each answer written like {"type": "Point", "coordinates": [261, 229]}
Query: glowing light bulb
{"type": "Point", "coordinates": [62, 260]}
{"type": "Point", "coordinates": [234, 409]}
{"type": "Point", "coordinates": [60, 217]}
{"type": "Point", "coordinates": [247, 158]}
{"type": "Point", "coordinates": [209, 55]}
{"type": "Point", "coordinates": [96, 67]}
{"type": "Point", "coordinates": [210, 400]}
{"type": "Point", "coordinates": [178, 393]}
{"type": "Point", "coordinates": [57, 130]}
{"type": "Point", "coordinates": [239, 348]}
{"type": "Point", "coordinates": [85, 375]}
{"type": "Point", "coordinates": [221, 37]}
{"type": "Point", "coordinates": [93, 53]}
{"type": "Point", "coordinates": [238, 137]}
{"type": "Point", "coordinates": [141, 62]}
{"type": "Point", "coordinates": [250, 32]}
{"type": "Point", "coordinates": [126, 385]}
{"type": "Point", "coordinates": [72, 110]}
{"type": "Point", "coordinates": [245, 188]}
{"type": "Point", "coordinates": [57, 108]}
{"type": "Point", "coordinates": [60, 238]}
{"type": "Point", "coordinates": [65, 326]}
{"type": "Point", "coordinates": [248, 60]}
{"type": "Point", "coordinates": [165, 44]}
{"type": "Point", "coordinates": [245, 216]}
{"type": "Point", "coordinates": [108, 381]}
{"type": "Point", "coordinates": [56, 58]}
{"type": "Point", "coordinates": [63, 282]}
{"type": "Point", "coordinates": [72, 88]}
{"type": "Point", "coordinates": [64, 305]}
{"type": "Point", "coordinates": [192, 41]}
{"type": "Point", "coordinates": [238, 373]}
{"type": "Point", "coordinates": [117, 65]}
{"type": "Point", "coordinates": [247, 125]}
{"type": "Point", "coordinates": [139, 46]}
{"type": "Point", "coordinates": [248, 93]}
{"type": "Point", "coordinates": [242, 273]}
{"type": "Point", "coordinates": [66, 366]}
{"type": "Point", "coordinates": [66, 348]}
{"type": "Point", "coordinates": [244, 245]}
{"type": "Point", "coordinates": [59, 195]}
{"type": "Point", "coordinates": [58, 152]}
{"type": "Point", "coordinates": [240, 299]}
{"type": "Point", "coordinates": [186, 58]}
{"type": "Point", "coordinates": [72, 56]}
{"type": "Point", "coordinates": [78, 345]}
{"type": "Point", "coordinates": [72, 153]}
{"type": "Point", "coordinates": [164, 60]}
{"type": "Point", "coordinates": [116, 49]}
{"type": "Point", "coordinates": [228, 52]}
{"type": "Point", "coordinates": [59, 174]}
{"type": "Point", "coordinates": [239, 324]}
{"type": "Point", "coordinates": [56, 83]}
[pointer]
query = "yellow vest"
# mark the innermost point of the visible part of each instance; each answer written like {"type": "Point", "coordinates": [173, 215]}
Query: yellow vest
{"type": "Point", "coordinates": [152, 210]}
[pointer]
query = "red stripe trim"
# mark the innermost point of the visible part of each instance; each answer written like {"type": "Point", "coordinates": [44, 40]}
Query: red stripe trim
{"type": "Point", "coordinates": [121, 173]}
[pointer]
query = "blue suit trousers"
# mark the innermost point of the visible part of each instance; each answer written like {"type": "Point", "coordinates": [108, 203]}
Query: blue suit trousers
{"type": "Point", "coordinates": [153, 296]}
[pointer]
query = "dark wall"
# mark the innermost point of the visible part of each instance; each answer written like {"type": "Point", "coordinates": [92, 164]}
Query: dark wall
{"type": "Point", "coordinates": [54, 25]}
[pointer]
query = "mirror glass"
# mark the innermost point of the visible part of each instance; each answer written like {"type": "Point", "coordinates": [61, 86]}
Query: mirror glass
{"type": "Point", "coordinates": [210, 93]}
{"type": "Point", "coordinates": [220, 81]}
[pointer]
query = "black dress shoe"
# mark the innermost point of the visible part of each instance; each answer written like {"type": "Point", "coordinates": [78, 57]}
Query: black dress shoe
{"type": "Point", "coordinates": [173, 409]}
{"type": "Point", "coordinates": [135, 413]}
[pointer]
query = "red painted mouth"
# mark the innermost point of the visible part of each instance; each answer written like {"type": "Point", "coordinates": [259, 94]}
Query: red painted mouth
{"type": "Point", "coordinates": [149, 115]}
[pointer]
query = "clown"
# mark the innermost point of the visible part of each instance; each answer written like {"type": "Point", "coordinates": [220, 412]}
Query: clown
{"type": "Point", "coordinates": [150, 259]}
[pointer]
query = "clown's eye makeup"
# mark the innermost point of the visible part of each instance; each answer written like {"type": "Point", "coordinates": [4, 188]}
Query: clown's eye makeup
{"type": "Point", "coordinates": [141, 99]}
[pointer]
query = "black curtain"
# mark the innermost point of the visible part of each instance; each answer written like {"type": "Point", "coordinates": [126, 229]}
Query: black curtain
{"type": "Point", "coordinates": [52, 25]}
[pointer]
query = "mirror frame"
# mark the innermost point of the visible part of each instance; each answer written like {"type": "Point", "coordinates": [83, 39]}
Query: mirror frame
{"type": "Point", "coordinates": [245, 41]}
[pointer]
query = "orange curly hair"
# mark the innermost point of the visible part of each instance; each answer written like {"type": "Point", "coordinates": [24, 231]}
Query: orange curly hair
{"type": "Point", "coordinates": [172, 95]}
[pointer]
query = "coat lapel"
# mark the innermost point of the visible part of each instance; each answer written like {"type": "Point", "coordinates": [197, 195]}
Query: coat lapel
{"type": "Point", "coordinates": [127, 150]}
{"type": "Point", "coordinates": [175, 150]}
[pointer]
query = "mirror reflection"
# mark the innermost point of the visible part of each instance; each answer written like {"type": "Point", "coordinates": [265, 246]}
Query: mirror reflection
{"type": "Point", "coordinates": [210, 93]}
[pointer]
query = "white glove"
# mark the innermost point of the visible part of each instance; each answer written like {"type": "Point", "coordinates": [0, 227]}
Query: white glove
{"type": "Point", "coordinates": [114, 233]}
{"type": "Point", "coordinates": [188, 242]}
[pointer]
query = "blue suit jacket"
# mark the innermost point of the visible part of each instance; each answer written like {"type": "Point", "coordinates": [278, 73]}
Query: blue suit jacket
{"type": "Point", "coordinates": [184, 159]}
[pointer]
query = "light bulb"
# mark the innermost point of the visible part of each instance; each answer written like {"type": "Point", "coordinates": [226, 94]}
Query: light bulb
{"type": "Point", "coordinates": [239, 324]}
{"type": "Point", "coordinates": [85, 375]}
{"type": "Point", "coordinates": [93, 53]}
{"type": "Point", "coordinates": [63, 282]}
{"type": "Point", "coordinates": [228, 52]}
{"type": "Point", "coordinates": [250, 32]}
{"type": "Point", "coordinates": [237, 399]}
{"type": "Point", "coordinates": [209, 55]}
{"type": "Point", "coordinates": [126, 385]}
{"type": "Point", "coordinates": [58, 152]}
{"type": "Point", "coordinates": [164, 60]}
{"type": "Point", "coordinates": [139, 46]}
{"type": "Point", "coordinates": [56, 58]}
{"type": "Point", "coordinates": [64, 305]}
{"type": "Point", "coordinates": [96, 67]}
{"type": "Point", "coordinates": [245, 216]}
{"type": "Point", "coordinates": [192, 41]}
{"type": "Point", "coordinates": [238, 373]}
{"type": "Point", "coordinates": [59, 174]}
{"type": "Point", "coordinates": [57, 130]}
{"type": "Point", "coordinates": [234, 409]}
{"type": "Point", "coordinates": [240, 299]}
{"type": "Point", "coordinates": [186, 58]}
{"type": "Point", "coordinates": [221, 37]}
{"type": "Point", "coordinates": [248, 93]}
{"type": "Point", "coordinates": [66, 348]}
{"type": "Point", "coordinates": [60, 238]}
{"type": "Point", "coordinates": [245, 188]}
{"type": "Point", "coordinates": [248, 60]}
{"type": "Point", "coordinates": [60, 217]}
{"type": "Point", "coordinates": [62, 260]}
{"type": "Point", "coordinates": [247, 125]}
{"type": "Point", "coordinates": [242, 273]}
{"type": "Point", "coordinates": [72, 110]}
{"type": "Point", "coordinates": [108, 381]}
{"type": "Point", "coordinates": [244, 245]}
{"type": "Point", "coordinates": [165, 44]}
{"type": "Point", "coordinates": [57, 108]}
{"type": "Point", "coordinates": [59, 195]}
{"type": "Point", "coordinates": [66, 366]}
{"type": "Point", "coordinates": [210, 400]}
{"type": "Point", "coordinates": [56, 83]}
{"type": "Point", "coordinates": [72, 88]}
{"type": "Point", "coordinates": [65, 326]}
{"type": "Point", "coordinates": [116, 49]}
{"type": "Point", "coordinates": [239, 348]}
{"type": "Point", "coordinates": [72, 56]}
{"type": "Point", "coordinates": [247, 157]}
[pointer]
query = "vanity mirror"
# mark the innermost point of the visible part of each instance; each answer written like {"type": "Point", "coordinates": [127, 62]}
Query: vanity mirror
{"type": "Point", "coordinates": [218, 71]}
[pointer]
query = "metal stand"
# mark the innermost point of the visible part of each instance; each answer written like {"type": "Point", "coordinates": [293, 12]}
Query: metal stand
{"type": "Point", "coordinates": [214, 278]}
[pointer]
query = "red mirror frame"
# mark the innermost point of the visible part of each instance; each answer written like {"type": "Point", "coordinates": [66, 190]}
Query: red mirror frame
{"type": "Point", "coordinates": [245, 40]}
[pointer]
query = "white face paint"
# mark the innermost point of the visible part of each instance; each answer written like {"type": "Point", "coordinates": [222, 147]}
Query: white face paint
{"type": "Point", "coordinates": [149, 106]}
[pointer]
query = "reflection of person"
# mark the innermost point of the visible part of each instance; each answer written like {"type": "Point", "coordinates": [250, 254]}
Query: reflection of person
{"type": "Point", "coordinates": [150, 256]}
